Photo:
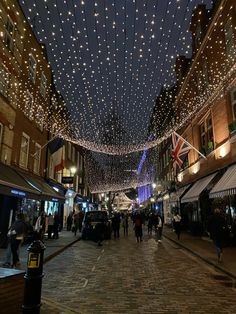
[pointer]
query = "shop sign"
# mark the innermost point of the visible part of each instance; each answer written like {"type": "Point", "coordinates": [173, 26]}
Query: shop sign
{"type": "Point", "coordinates": [67, 180]}
{"type": "Point", "coordinates": [54, 200]}
{"type": "Point", "coordinates": [16, 192]}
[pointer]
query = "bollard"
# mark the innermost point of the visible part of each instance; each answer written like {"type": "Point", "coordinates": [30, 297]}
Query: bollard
{"type": "Point", "coordinates": [33, 278]}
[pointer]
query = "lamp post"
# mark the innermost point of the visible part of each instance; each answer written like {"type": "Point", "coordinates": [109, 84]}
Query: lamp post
{"type": "Point", "coordinates": [152, 200]}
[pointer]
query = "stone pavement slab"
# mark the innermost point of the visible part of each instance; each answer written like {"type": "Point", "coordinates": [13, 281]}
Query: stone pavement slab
{"type": "Point", "coordinates": [204, 248]}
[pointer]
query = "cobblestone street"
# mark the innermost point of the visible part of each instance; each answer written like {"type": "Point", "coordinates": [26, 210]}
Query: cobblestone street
{"type": "Point", "coordinates": [127, 277]}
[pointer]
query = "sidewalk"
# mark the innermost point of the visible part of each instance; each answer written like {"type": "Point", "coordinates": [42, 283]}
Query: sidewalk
{"type": "Point", "coordinates": [204, 249]}
{"type": "Point", "coordinates": [53, 248]}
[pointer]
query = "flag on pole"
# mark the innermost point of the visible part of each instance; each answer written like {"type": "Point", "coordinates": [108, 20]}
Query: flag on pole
{"type": "Point", "coordinates": [57, 150]}
{"type": "Point", "coordinates": [179, 152]}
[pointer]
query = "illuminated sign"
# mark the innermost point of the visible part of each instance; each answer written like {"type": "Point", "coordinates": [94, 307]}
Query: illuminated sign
{"type": "Point", "coordinates": [54, 200]}
{"type": "Point", "coordinates": [16, 192]}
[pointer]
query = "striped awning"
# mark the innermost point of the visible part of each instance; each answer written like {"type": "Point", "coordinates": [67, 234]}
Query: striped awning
{"type": "Point", "coordinates": [181, 190]}
{"type": "Point", "coordinates": [226, 185]}
{"type": "Point", "coordinates": [198, 187]}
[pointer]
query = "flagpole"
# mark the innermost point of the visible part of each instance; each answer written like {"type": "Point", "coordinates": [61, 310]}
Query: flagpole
{"type": "Point", "coordinates": [189, 144]}
{"type": "Point", "coordinates": [42, 147]}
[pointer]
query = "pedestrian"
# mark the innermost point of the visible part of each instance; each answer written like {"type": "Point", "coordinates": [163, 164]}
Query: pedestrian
{"type": "Point", "coordinates": [40, 226]}
{"type": "Point", "coordinates": [56, 225]}
{"type": "Point", "coordinates": [125, 224]}
{"type": "Point", "coordinates": [75, 224]}
{"type": "Point", "coordinates": [115, 223]}
{"type": "Point", "coordinates": [69, 221]}
{"type": "Point", "coordinates": [138, 227]}
{"type": "Point", "coordinates": [177, 224]}
{"type": "Point", "coordinates": [159, 228]}
{"type": "Point", "coordinates": [17, 233]}
{"type": "Point", "coordinates": [81, 217]}
{"type": "Point", "coordinates": [99, 232]}
{"type": "Point", "coordinates": [150, 223]}
{"type": "Point", "coordinates": [50, 225]}
{"type": "Point", "coordinates": [216, 227]}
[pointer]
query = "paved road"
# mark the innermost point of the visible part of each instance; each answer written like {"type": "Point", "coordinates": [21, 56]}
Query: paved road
{"type": "Point", "coordinates": [123, 276]}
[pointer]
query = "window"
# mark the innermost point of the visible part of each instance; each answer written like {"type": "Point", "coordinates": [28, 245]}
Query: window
{"type": "Point", "coordinates": [39, 117]}
{"type": "Point", "coordinates": [37, 157]}
{"type": "Point", "coordinates": [29, 105]}
{"type": "Point", "coordinates": [233, 102]}
{"type": "Point", "coordinates": [229, 39]}
{"type": "Point", "coordinates": [9, 34]}
{"type": "Point", "coordinates": [32, 68]}
{"type": "Point", "coordinates": [4, 80]}
{"type": "Point", "coordinates": [43, 85]}
{"type": "Point", "coordinates": [198, 34]}
{"type": "Point", "coordinates": [73, 153]}
{"type": "Point", "coordinates": [1, 134]}
{"type": "Point", "coordinates": [24, 150]}
{"type": "Point", "coordinates": [206, 135]}
{"type": "Point", "coordinates": [69, 150]}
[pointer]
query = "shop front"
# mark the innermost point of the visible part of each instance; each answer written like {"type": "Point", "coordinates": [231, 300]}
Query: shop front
{"type": "Point", "coordinates": [223, 196]}
{"type": "Point", "coordinates": [15, 195]}
{"type": "Point", "coordinates": [195, 204]}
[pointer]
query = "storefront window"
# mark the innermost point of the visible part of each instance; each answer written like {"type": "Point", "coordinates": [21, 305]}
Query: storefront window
{"type": "Point", "coordinates": [51, 207]}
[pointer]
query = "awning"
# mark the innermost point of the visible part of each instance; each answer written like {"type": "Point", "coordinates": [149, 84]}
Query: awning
{"type": "Point", "coordinates": [198, 187]}
{"type": "Point", "coordinates": [11, 183]}
{"type": "Point", "coordinates": [47, 193]}
{"type": "Point", "coordinates": [226, 185]}
{"type": "Point", "coordinates": [181, 190]}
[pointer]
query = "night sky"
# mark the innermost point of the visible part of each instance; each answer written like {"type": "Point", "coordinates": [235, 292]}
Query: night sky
{"type": "Point", "coordinates": [110, 59]}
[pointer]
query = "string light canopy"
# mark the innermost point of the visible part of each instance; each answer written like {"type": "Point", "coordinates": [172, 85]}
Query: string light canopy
{"type": "Point", "coordinates": [110, 60]}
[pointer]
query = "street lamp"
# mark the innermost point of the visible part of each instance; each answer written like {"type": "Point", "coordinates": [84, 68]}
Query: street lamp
{"type": "Point", "coordinates": [73, 170]}
{"type": "Point", "coordinates": [152, 200]}
{"type": "Point", "coordinates": [154, 185]}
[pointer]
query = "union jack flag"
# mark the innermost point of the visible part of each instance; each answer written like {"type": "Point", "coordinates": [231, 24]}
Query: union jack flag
{"type": "Point", "coordinates": [179, 152]}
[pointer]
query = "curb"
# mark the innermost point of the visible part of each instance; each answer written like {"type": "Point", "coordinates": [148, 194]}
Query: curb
{"type": "Point", "coordinates": [228, 273]}
{"type": "Point", "coordinates": [51, 256]}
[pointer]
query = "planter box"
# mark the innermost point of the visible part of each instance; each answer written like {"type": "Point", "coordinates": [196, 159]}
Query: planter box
{"type": "Point", "coordinates": [11, 290]}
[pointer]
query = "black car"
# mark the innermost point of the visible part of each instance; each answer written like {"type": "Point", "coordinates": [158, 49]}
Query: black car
{"type": "Point", "coordinates": [94, 221]}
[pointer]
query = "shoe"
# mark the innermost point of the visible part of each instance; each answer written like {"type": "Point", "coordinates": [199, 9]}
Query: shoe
{"type": "Point", "coordinates": [6, 265]}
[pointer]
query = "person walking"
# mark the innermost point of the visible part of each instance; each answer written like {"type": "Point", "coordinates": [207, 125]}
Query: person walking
{"type": "Point", "coordinates": [17, 233]}
{"type": "Point", "coordinates": [50, 225]}
{"type": "Point", "coordinates": [40, 226]}
{"type": "Point", "coordinates": [159, 228]}
{"type": "Point", "coordinates": [115, 222]}
{"type": "Point", "coordinates": [75, 224]}
{"type": "Point", "coordinates": [177, 224]}
{"type": "Point", "coordinates": [69, 221]}
{"type": "Point", "coordinates": [216, 226]}
{"type": "Point", "coordinates": [138, 227]}
{"type": "Point", "coordinates": [56, 225]}
{"type": "Point", "coordinates": [125, 224]}
{"type": "Point", "coordinates": [150, 224]}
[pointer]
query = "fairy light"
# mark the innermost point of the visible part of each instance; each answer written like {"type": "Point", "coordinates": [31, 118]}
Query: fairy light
{"type": "Point", "coordinates": [110, 61]}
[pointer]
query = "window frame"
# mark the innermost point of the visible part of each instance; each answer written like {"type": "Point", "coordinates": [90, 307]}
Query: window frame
{"type": "Point", "coordinates": [229, 39]}
{"type": "Point", "coordinates": [5, 78]}
{"type": "Point", "coordinates": [9, 35]}
{"type": "Point", "coordinates": [38, 148]}
{"type": "Point", "coordinates": [233, 102]}
{"type": "Point", "coordinates": [206, 131]}
{"type": "Point", "coordinates": [43, 85]}
{"type": "Point", "coordinates": [26, 136]}
{"type": "Point", "coordinates": [29, 107]}
{"type": "Point", "coordinates": [1, 134]}
{"type": "Point", "coordinates": [32, 68]}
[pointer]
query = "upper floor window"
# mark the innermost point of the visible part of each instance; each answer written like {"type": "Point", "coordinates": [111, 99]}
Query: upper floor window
{"type": "Point", "coordinates": [4, 80]}
{"type": "Point", "coordinates": [73, 153]}
{"type": "Point", "coordinates": [69, 150]}
{"type": "Point", "coordinates": [37, 157]}
{"type": "Point", "coordinates": [229, 39]}
{"type": "Point", "coordinates": [206, 135]}
{"type": "Point", "coordinates": [32, 68]}
{"type": "Point", "coordinates": [24, 150]}
{"type": "Point", "coordinates": [198, 34]}
{"type": "Point", "coordinates": [29, 105]}
{"type": "Point", "coordinates": [9, 34]}
{"type": "Point", "coordinates": [39, 117]}
{"type": "Point", "coordinates": [1, 134]}
{"type": "Point", "coordinates": [233, 102]}
{"type": "Point", "coordinates": [43, 85]}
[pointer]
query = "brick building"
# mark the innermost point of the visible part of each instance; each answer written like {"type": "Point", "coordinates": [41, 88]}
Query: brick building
{"type": "Point", "coordinates": [207, 90]}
